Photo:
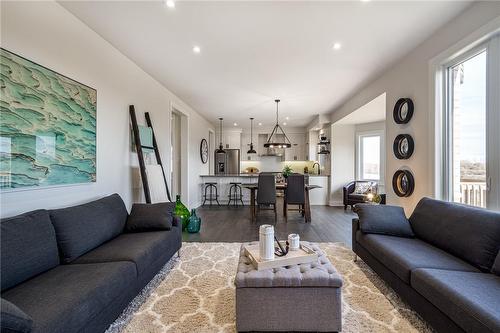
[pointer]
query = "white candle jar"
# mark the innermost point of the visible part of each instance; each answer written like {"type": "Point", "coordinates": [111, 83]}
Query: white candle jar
{"type": "Point", "coordinates": [266, 242]}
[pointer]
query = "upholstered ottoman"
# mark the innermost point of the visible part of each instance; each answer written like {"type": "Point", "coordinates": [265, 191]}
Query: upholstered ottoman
{"type": "Point", "coordinates": [304, 297]}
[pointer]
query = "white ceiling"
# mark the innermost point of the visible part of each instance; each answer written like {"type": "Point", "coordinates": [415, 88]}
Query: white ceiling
{"type": "Point", "coordinates": [371, 112]}
{"type": "Point", "coordinates": [253, 52]}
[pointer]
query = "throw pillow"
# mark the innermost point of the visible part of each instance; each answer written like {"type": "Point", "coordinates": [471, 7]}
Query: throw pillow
{"type": "Point", "coordinates": [382, 219]}
{"type": "Point", "coordinates": [150, 217]}
{"type": "Point", "coordinates": [362, 187]}
{"type": "Point", "coordinates": [496, 265]}
{"type": "Point", "coordinates": [13, 319]}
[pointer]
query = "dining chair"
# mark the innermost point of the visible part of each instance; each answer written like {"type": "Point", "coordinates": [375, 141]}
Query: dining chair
{"type": "Point", "coordinates": [266, 192]}
{"type": "Point", "coordinates": [295, 194]}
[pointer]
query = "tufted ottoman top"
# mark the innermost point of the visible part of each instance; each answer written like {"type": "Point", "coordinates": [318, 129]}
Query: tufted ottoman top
{"type": "Point", "coordinates": [315, 274]}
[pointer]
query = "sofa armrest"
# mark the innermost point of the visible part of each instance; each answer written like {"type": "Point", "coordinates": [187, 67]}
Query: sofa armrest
{"type": "Point", "coordinates": [355, 228]}
{"type": "Point", "coordinates": [13, 319]}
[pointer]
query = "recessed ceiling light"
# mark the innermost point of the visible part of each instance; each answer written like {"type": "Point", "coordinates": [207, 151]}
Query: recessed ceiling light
{"type": "Point", "coordinates": [235, 124]}
{"type": "Point", "coordinates": [365, 0]}
{"type": "Point", "coordinates": [170, 3]}
{"type": "Point", "coordinates": [284, 124]}
{"type": "Point", "coordinates": [287, 118]}
{"type": "Point", "coordinates": [260, 124]}
{"type": "Point", "coordinates": [337, 46]}
{"type": "Point", "coordinates": [196, 49]}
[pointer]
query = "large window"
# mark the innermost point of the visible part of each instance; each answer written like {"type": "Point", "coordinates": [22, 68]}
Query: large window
{"type": "Point", "coordinates": [471, 127]}
{"type": "Point", "coordinates": [369, 159]}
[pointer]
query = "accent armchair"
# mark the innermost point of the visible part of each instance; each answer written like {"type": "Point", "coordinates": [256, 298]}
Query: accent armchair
{"type": "Point", "coordinates": [356, 192]}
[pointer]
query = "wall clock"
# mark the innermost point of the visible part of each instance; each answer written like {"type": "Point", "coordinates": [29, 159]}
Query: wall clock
{"type": "Point", "coordinates": [204, 151]}
{"type": "Point", "coordinates": [403, 111]}
{"type": "Point", "coordinates": [403, 146]}
{"type": "Point", "coordinates": [403, 183]}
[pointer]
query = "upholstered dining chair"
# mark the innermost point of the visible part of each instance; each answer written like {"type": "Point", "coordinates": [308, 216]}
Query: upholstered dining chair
{"type": "Point", "coordinates": [295, 194]}
{"type": "Point", "coordinates": [266, 192]}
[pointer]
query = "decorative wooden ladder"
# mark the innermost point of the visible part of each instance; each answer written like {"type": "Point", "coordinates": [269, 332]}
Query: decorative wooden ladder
{"type": "Point", "coordinates": [140, 155]}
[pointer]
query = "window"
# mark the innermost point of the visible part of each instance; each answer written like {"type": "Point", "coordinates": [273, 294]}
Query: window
{"type": "Point", "coordinates": [369, 163]}
{"type": "Point", "coordinates": [471, 123]}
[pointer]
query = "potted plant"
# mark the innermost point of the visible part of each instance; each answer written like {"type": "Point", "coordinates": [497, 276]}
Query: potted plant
{"type": "Point", "coordinates": [287, 171]}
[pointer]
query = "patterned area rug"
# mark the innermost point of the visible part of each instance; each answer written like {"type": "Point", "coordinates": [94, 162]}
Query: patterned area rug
{"type": "Point", "coordinates": [195, 293]}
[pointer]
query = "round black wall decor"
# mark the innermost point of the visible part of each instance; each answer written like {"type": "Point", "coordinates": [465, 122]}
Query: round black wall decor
{"type": "Point", "coordinates": [403, 183]}
{"type": "Point", "coordinates": [403, 110]}
{"type": "Point", "coordinates": [204, 151]}
{"type": "Point", "coordinates": [403, 146]}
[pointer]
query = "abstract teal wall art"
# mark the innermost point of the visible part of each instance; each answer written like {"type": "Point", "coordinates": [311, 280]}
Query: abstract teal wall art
{"type": "Point", "coordinates": [47, 126]}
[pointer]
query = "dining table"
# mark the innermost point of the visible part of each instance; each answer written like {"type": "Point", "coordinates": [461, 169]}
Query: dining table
{"type": "Point", "coordinates": [280, 186]}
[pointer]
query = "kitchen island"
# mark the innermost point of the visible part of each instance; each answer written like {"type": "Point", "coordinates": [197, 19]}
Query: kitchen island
{"type": "Point", "coordinates": [319, 196]}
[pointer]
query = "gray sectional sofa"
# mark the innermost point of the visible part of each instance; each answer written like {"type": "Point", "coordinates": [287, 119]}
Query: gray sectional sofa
{"type": "Point", "coordinates": [76, 269]}
{"type": "Point", "coordinates": [444, 261]}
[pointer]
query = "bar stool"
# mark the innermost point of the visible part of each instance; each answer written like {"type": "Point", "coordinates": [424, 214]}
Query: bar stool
{"type": "Point", "coordinates": [235, 194]}
{"type": "Point", "coordinates": [211, 187]}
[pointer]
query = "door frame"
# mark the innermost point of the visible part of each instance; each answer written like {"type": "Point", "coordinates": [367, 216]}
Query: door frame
{"type": "Point", "coordinates": [184, 136]}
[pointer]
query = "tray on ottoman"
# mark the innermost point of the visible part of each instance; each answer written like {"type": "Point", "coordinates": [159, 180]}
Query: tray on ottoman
{"type": "Point", "coordinates": [303, 255]}
{"type": "Point", "coordinates": [303, 297]}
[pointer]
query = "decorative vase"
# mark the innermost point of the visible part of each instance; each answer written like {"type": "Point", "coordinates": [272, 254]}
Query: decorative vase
{"type": "Point", "coordinates": [181, 212]}
{"type": "Point", "coordinates": [194, 223]}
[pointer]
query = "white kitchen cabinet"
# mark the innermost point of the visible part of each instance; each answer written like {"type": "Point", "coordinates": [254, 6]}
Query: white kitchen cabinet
{"type": "Point", "coordinates": [298, 151]}
{"type": "Point", "coordinates": [232, 139]}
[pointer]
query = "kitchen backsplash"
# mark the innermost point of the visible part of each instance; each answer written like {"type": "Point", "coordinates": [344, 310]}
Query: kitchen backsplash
{"type": "Point", "coordinates": [275, 165]}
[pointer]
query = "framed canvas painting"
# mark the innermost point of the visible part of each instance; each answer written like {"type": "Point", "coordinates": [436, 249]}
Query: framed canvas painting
{"type": "Point", "coordinates": [47, 126]}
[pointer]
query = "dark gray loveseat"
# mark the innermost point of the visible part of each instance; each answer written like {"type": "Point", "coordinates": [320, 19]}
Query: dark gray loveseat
{"type": "Point", "coordinates": [75, 269]}
{"type": "Point", "coordinates": [446, 266]}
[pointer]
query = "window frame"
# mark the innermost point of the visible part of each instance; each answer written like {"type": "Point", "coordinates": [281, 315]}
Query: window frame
{"type": "Point", "coordinates": [359, 154]}
{"type": "Point", "coordinates": [444, 120]}
{"type": "Point", "coordinates": [447, 121]}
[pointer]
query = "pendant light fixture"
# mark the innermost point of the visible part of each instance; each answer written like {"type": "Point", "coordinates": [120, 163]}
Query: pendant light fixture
{"type": "Point", "coordinates": [273, 140]}
{"type": "Point", "coordinates": [251, 150]}
{"type": "Point", "coordinates": [221, 147]}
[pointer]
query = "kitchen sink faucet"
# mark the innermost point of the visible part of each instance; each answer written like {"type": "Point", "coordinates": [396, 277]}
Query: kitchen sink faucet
{"type": "Point", "coordinates": [319, 168]}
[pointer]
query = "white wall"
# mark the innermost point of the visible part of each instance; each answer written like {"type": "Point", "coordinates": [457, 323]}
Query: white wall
{"type": "Point", "coordinates": [410, 78]}
{"type": "Point", "coordinates": [46, 33]}
{"type": "Point", "coordinates": [342, 156]}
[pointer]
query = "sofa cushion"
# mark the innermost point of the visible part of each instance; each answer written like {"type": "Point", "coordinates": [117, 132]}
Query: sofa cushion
{"type": "Point", "coordinates": [402, 255]}
{"type": "Point", "coordinates": [470, 233]}
{"type": "Point", "coordinates": [82, 228]}
{"type": "Point", "coordinates": [496, 265]}
{"type": "Point", "coordinates": [150, 217]}
{"type": "Point", "coordinates": [357, 197]}
{"type": "Point", "coordinates": [143, 248]}
{"type": "Point", "coordinates": [28, 246]}
{"type": "Point", "coordinates": [382, 219]}
{"type": "Point", "coordinates": [470, 299]}
{"type": "Point", "coordinates": [67, 297]}
{"type": "Point", "coordinates": [13, 319]}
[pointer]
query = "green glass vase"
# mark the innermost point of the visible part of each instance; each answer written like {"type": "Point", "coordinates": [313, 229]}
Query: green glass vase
{"type": "Point", "coordinates": [181, 212]}
{"type": "Point", "coordinates": [194, 223]}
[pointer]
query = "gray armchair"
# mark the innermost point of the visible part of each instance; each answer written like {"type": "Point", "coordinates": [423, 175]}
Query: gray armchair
{"type": "Point", "coordinates": [351, 197]}
{"type": "Point", "coordinates": [266, 192]}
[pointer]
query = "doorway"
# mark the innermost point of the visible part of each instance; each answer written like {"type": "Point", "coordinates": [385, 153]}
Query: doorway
{"type": "Point", "coordinates": [179, 139]}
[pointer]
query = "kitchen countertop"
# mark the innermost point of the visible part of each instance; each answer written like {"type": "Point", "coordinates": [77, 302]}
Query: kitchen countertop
{"type": "Point", "coordinates": [255, 175]}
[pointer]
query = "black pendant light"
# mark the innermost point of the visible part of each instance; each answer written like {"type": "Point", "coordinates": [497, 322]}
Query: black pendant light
{"type": "Point", "coordinates": [221, 148]}
{"type": "Point", "coordinates": [273, 141]}
{"type": "Point", "coordinates": [251, 150]}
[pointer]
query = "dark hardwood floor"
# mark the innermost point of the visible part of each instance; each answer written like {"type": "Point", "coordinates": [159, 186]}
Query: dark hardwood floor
{"type": "Point", "coordinates": [233, 224]}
